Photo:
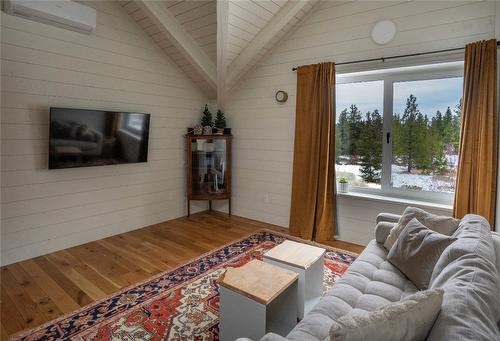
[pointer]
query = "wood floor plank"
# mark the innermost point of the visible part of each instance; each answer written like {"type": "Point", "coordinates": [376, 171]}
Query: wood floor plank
{"type": "Point", "coordinates": [40, 289]}
{"type": "Point", "coordinates": [70, 288]}
{"type": "Point", "coordinates": [58, 295]}
{"type": "Point", "coordinates": [3, 331]}
{"type": "Point", "coordinates": [93, 284]}
{"type": "Point", "coordinates": [131, 256]}
{"type": "Point", "coordinates": [31, 314]}
{"type": "Point", "coordinates": [45, 305]}
{"type": "Point", "coordinates": [12, 320]}
{"type": "Point", "coordinates": [101, 263]}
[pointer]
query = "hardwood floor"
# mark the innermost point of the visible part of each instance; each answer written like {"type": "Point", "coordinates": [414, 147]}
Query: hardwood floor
{"type": "Point", "coordinates": [43, 288]}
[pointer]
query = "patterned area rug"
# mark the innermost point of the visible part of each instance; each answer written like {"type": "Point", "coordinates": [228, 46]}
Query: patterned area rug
{"type": "Point", "coordinates": [181, 304]}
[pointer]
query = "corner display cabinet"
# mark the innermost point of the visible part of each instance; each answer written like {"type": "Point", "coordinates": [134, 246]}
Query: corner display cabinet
{"type": "Point", "coordinates": [208, 168]}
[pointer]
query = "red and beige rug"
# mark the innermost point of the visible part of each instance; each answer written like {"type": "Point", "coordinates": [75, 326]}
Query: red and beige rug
{"type": "Point", "coordinates": [181, 304]}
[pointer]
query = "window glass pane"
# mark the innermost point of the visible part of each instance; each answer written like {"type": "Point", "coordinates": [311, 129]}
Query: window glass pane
{"type": "Point", "coordinates": [358, 132]}
{"type": "Point", "coordinates": [426, 132]}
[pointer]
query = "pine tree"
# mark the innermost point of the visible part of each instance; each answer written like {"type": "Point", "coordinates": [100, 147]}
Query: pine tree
{"type": "Point", "coordinates": [448, 130]}
{"type": "Point", "coordinates": [424, 144]}
{"type": "Point", "coordinates": [437, 123]}
{"type": "Point", "coordinates": [370, 147]}
{"type": "Point", "coordinates": [338, 144]}
{"type": "Point", "coordinates": [355, 124]}
{"type": "Point", "coordinates": [397, 130]}
{"type": "Point", "coordinates": [206, 118]}
{"type": "Point", "coordinates": [456, 124]}
{"type": "Point", "coordinates": [440, 164]}
{"type": "Point", "coordinates": [408, 132]}
{"type": "Point", "coordinates": [343, 133]}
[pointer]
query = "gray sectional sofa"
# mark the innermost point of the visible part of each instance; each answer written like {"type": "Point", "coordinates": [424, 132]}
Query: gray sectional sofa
{"type": "Point", "coordinates": [468, 271]}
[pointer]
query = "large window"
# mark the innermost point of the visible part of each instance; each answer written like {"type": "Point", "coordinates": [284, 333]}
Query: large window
{"type": "Point", "coordinates": [397, 131]}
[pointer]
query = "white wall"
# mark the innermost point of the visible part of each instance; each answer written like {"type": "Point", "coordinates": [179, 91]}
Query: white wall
{"type": "Point", "coordinates": [117, 68]}
{"type": "Point", "coordinates": [335, 31]}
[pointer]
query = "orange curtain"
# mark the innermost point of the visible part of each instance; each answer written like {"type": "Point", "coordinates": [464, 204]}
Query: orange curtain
{"type": "Point", "coordinates": [313, 182]}
{"type": "Point", "coordinates": [477, 169]}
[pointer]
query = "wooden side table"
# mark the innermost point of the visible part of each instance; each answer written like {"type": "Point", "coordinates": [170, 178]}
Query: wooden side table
{"type": "Point", "coordinates": [256, 299]}
{"type": "Point", "coordinates": [308, 262]}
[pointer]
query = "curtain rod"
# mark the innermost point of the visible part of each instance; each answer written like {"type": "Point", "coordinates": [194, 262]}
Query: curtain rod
{"type": "Point", "coordinates": [383, 59]}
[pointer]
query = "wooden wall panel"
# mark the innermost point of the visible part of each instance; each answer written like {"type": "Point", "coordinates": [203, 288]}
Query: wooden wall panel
{"type": "Point", "coordinates": [246, 19]}
{"type": "Point", "coordinates": [334, 31]}
{"type": "Point", "coordinates": [199, 20]}
{"type": "Point", "coordinates": [117, 67]}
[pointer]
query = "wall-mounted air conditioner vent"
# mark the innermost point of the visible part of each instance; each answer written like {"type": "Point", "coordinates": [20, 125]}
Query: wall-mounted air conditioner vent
{"type": "Point", "coordinates": [62, 13]}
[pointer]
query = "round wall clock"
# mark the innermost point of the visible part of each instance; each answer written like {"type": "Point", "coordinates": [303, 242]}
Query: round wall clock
{"type": "Point", "coordinates": [383, 32]}
{"type": "Point", "coordinates": [281, 96]}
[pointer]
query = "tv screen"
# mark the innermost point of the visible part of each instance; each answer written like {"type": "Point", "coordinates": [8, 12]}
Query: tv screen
{"type": "Point", "coordinates": [85, 138]}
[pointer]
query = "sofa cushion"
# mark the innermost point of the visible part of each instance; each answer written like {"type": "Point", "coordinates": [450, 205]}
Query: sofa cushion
{"type": "Point", "coordinates": [467, 273]}
{"type": "Point", "coordinates": [416, 252]}
{"type": "Point", "coordinates": [442, 224]}
{"type": "Point", "coordinates": [409, 319]}
{"type": "Point", "coordinates": [370, 283]}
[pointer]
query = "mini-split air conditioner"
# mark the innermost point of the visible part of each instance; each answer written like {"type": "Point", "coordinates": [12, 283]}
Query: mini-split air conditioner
{"type": "Point", "coordinates": [62, 13]}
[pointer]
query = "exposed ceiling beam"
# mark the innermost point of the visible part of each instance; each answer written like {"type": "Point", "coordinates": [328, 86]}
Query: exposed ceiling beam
{"type": "Point", "coordinates": [222, 28]}
{"type": "Point", "coordinates": [265, 35]}
{"type": "Point", "coordinates": [182, 40]}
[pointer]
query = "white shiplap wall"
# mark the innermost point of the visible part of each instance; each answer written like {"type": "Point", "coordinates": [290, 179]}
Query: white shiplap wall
{"type": "Point", "coordinates": [335, 31]}
{"type": "Point", "coordinates": [118, 67]}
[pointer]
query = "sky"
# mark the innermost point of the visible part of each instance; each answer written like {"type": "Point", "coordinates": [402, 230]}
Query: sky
{"type": "Point", "coordinates": [432, 95]}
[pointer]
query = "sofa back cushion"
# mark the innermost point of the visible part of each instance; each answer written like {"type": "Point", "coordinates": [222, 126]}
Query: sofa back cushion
{"type": "Point", "coordinates": [442, 224]}
{"type": "Point", "coordinates": [416, 252]}
{"type": "Point", "coordinates": [466, 271]}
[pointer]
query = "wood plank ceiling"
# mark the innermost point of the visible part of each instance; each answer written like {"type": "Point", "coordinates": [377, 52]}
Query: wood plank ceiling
{"type": "Point", "coordinates": [198, 18]}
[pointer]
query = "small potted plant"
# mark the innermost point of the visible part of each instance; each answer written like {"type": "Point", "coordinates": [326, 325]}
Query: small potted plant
{"type": "Point", "coordinates": [220, 122]}
{"type": "Point", "coordinates": [207, 121]}
{"type": "Point", "coordinates": [344, 184]}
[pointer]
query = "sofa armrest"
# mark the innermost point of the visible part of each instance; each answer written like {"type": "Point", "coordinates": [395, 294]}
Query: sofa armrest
{"type": "Point", "coordinates": [496, 244]}
{"type": "Point", "coordinates": [388, 217]}
{"type": "Point", "coordinates": [382, 231]}
{"type": "Point", "coordinates": [273, 337]}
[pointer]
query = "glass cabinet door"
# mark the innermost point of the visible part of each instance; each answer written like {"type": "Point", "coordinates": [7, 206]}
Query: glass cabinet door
{"type": "Point", "coordinates": [209, 166]}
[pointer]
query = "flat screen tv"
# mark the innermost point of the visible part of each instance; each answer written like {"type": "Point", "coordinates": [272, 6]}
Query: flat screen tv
{"type": "Point", "coordinates": [85, 138]}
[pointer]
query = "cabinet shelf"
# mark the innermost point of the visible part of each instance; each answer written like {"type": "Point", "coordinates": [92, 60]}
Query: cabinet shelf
{"type": "Point", "coordinates": [208, 168]}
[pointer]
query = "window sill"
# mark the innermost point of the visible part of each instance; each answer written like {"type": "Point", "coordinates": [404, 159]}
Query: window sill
{"type": "Point", "coordinates": [395, 200]}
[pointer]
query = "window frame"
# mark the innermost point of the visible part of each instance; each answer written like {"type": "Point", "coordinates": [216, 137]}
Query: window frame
{"type": "Point", "coordinates": [389, 77]}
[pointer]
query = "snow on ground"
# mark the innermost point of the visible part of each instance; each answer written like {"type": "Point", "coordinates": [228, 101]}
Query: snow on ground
{"type": "Point", "coordinates": [400, 179]}
{"type": "Point", "coordinates": [431, 183]}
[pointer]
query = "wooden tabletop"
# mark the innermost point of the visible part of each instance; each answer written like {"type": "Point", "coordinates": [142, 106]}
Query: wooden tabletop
{"type": "Point", "coordinates": [295, 254]}
{"type": "Point", "coordinates": [262, 282]}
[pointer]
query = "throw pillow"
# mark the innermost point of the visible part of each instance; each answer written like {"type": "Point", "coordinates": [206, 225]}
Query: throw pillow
{"type": "Point", "coordinates": [409, 319]}
{"type": "Point", "coordinates": [442, 224]}
{"type": "Point", "coordinates": [417, 251]}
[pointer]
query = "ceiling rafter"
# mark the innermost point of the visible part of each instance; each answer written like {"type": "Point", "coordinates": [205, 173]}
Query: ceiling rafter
{"type": "Point", "coordinates": [216, 42]}
{"type": "Point", "coordinates": [222, 32]}
{"type": "Point", "coordinates": [274, 27]}
{"type": "Point", "coordinates": [182, 40]}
